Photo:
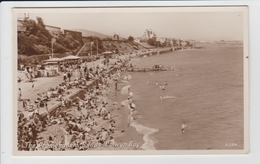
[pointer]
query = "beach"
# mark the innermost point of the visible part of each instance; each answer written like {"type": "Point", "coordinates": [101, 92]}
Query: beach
{"type": "Point", "coordinates": [203, 88]}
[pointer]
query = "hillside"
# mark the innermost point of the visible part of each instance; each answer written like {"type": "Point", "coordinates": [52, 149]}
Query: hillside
{"type": "Point", "coordinates": [37, 40]}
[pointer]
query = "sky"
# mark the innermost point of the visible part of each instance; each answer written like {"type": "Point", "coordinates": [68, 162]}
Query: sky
{"type": "Point", "coordinates": [181, 25]}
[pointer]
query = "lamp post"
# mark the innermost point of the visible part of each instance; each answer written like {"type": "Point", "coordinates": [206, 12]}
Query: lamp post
{"type": "Point", "coordinates": [91, 43]}
{"type": "Point", "coordinates": [109, 46]}
{"type": "Point", "coordinates": [53, 40]}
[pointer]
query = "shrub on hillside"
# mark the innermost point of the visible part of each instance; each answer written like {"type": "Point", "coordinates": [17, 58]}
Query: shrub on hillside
{"type": "Point", "coordinates": [25, 46]}
{"type": "Point", "coordinates": [130, 39]}
{"type": "Point", "coordinates": [58, 48]}
{"type": "Point", "coordinates": [42, 49]}
{"type": "Point", "coordinates": [31, 26]}
{"type": "Point", "coordinates": [151, 42]}
{"type": "Point", "coordinates": [70, 43]}
{"type": "Point", "coordinates": [33, 39]}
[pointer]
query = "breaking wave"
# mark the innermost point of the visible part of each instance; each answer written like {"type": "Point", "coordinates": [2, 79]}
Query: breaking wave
{"type": "Point", "coordinates": [124, 90]}
{"type": "Point", "coordinates": [147, 132]}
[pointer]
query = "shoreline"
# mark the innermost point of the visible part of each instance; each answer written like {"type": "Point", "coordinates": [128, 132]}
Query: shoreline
{"type": "Point", "coordinates": [129, 134]}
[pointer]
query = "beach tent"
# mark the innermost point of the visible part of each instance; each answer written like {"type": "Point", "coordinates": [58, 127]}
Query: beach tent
{"type": "Point", "coordinates": [71, 57]}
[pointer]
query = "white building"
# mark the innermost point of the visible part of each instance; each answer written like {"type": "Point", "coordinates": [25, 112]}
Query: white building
{"type": "Point", "coordinates": [53, 30]}
{"type": "Point", "coordinates": [137, 40]}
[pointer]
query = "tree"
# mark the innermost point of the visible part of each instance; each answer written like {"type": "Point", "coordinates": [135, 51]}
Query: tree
{"type": "Point", "coordinates": [40, 22]}
{"type": "Point", "coordinates": [31, 26]}
{"type": "Point", "coordinates": [130, 38]}
{"type": "Point", "coordinates": [152, 41]}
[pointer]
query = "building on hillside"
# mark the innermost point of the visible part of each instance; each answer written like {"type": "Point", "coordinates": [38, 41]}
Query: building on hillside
{"type": "Point", "coordinates": [53, 30]}
{"type": "Point", "coordinates": [75, 34]}
{"type": "Point", "coordinates": [20, 27]}
{"type": "Point", "coordinates": [115, 37]}
{"type": "Point", "coordinates": [148, 34]}
{"type": "Point", "coordinates": [161, 40]}
{"type": "Point", "coordinates": [192, 43]}
{"type": "Point", "coordinates": [184, 43]}
{"type": "Point", "coordinates": [167, 42]}
{"type": "Point", "coordinates": [202, 41]}
{"type": "Point", "coordinates": [178, 42]}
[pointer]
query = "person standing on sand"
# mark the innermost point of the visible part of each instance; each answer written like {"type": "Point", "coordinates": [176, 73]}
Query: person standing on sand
{"type": "Point", "coordinates": [131, 109]}
{"type": "Point", "coordinates": [115, 104]}
{"type": "Point", "coordinates": [32, 85]}
{"type": "Point", "coordinates": [116, 85]}
{"type": "Point", "coordinates": [131, 94]}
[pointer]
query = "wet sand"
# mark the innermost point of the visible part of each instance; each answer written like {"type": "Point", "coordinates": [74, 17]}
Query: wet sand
{"type": "Point", "coordinates": [125, 133]}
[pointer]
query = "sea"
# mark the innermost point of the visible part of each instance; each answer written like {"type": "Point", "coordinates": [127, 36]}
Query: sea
{"type": "Point", "coordinates": [204, 89]}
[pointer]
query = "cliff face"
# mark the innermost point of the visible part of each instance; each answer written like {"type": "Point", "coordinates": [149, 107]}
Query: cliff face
{"type": "Point", "coordinates": [37, 40]}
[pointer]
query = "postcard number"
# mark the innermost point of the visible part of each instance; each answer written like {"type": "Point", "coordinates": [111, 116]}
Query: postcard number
{"type": "Point", "coordinates": [231, 144]}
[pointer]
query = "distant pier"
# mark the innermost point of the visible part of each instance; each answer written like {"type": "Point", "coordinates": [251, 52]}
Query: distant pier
{"type": "Point", "coordinates": [148, 69]}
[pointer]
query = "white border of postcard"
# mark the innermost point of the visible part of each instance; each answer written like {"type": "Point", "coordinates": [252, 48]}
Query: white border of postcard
{"type": "Point", "coordinates": [6, 85]}
{"type": "Point", "coordinates": [243, 9]}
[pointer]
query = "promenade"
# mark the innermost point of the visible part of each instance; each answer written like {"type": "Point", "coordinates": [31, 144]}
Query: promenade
{"type": "Point", "coordinates": [43, 84]}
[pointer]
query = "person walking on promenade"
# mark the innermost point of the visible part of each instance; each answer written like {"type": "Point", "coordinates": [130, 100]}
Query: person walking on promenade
{"type": "Point", "coordinates": [69, 76]}
{"type": "Point", "coordinates": [64, 76]}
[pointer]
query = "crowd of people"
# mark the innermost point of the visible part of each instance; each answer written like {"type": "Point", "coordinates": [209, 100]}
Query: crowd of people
{"type": "Point", "coordinates": [77, 120]}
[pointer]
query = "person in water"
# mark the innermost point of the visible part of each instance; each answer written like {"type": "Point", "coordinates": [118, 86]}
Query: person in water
{"type": "Point", "coordinates": [163, 88]}
{"type": "Point", "coordinates": [183, 127]}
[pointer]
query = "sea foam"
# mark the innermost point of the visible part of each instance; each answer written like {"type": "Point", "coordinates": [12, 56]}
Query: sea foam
{"type": "Point", "coordinates": [124, 90]}
{"type": "Point", "coordinates": [147, 132]}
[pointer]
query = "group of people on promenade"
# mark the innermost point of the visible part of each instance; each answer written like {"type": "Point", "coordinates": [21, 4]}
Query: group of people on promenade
{"type": "Point", "coordinates": [78, 118]}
